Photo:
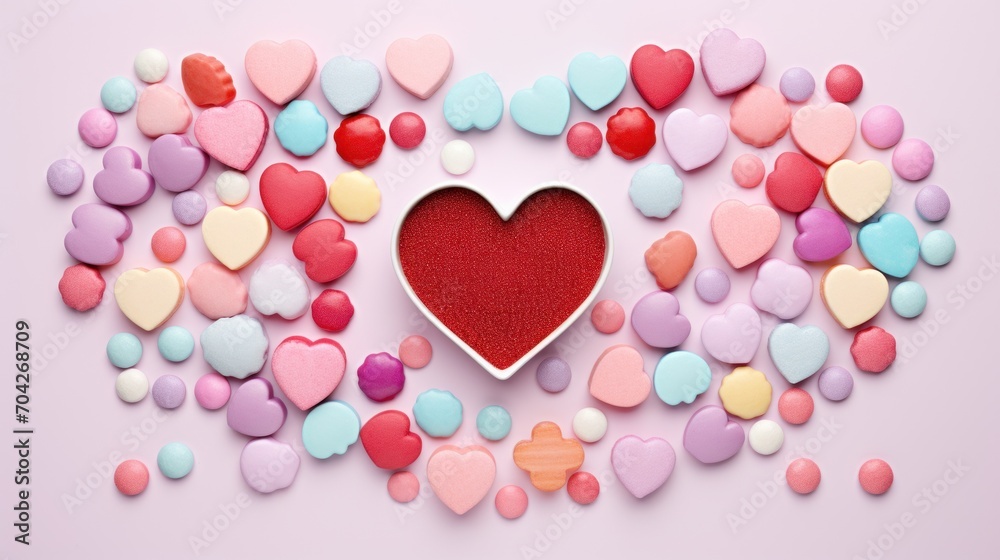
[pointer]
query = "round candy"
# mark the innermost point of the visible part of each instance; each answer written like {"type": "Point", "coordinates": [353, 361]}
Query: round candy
{"type": "Point", "coordinates": [511, 501]}
{"type": "Point", "coordinates": [631, 133]}
{"type": "Point", "coordinates": [175, 344]}
{"type": "Point", "coordinates": [332, 310]}
{"type": "Point", "coordinates": [873, 349]}
{"type": "Point", "coordinates": [131, 385]}
{"type": "Point", "coordinates": [608, 316]}
{"type": "Point", "coordinates": [175, 460]}
{"type": "Point", "coordinates": [493, 422]}
{"type": "Point", "coordinates": [189, 207]}
{"type": "Point", "coordinates": [437, 412]}
{"type": "Point", "coordinates": [712, 285]}
{"type": "Point", "coordinates": [168, 391]}
{"type": "Point", "coordinates": [875, 476]}
{"type": "Point", "coordinates": [118, 94]}
{"type": "Point", "coordinates": [232, 187]}
{"type": "Point", "coordinates": [131, 477]}
{"type": "Point", "coordinates": [81, 287]}
{"type": "Point", "coordinates": [584, 140]}
{"type": "Point", "coordinates": [168, 244]}
{"type": "Point", "coordinates": [583, 487]}
{"type": "Point", "coordinates": [404, 486]}
{"type": "Point", "coordinates": [415, 351]}
{"type": "Point", "coordinates": [151, 65]}
{"type": "Point", "coordinates": [937, 248]}
{"type": "Point", "coordinates": [836, 383]}
{"type": "Point", "coordinates": [97, 128]}
{"type": "Point", "coordinates": [124, 350]}
{"type": "Point", "coordinates": [766, 437]}
{"type": "Point", "coordinates": [797, 84]}
{"type": "Point", "coordinates": [553, 374]}
{"type": "Point", "coordinates": [802, 475]}
{"type": "Point", "coordinates": [64, 177]}
{"type": "Point", "coordinates": [590, 424]}
{"type": "Point", "coordinates": [932, 203]}
{"type": "Point", "coordinates": [457, 157]}
{"type": "Point", "coordinates": [381, 377]}
{"type": "Point", "coordinates": [212, 391]}
{"type": "Point", "coordinates": [844, 83]}
{"type": "Point", "coordinates": [908, 299]}
{"type": "Point", "coordinates": [359, 140]}
{"type": "Point", "coordinates": [795, 406]}
{"type": "Point", "coordinates": [882, 126]}
{"type": "Point", "coordinates": [748, 171]}
{"type": "Point", "coordinates": [407, 130]}
{"type": "Point", "coordinates": [913, 159]}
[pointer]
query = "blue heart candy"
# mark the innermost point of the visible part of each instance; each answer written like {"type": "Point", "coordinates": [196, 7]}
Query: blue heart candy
{"type": "Point", "coordinates": [542, 109]}
{"type": "Point", "coordinates": [890, 244]}
{"type": "Point", "coordinates": [798, 352]}
{"type": "Point", "coordinates": [656, 190]}
{"type": "Point", "coordinates": [330, 429]}
{"type": "Point", "coordinates": [475, 102]}
{"type": "Point", "coordinates": [597, 82]}
{"type": "Point", "coordinates": [680, 377]}
{"type": "Point", "coordinates": [350, 85]}
{"type": "Point", "coordinates": [301, 128]}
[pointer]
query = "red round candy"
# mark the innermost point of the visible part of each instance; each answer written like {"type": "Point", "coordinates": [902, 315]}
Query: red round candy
{"type": "Point", "coordinates": [875, 477]}
{"type": "Point", "coordinates": [844, 83]}
{"type": "Point", "coordinates": [168, 244]}
{"type": "Point", "coordinates": [803, 476]}
{"type": "Point", "coordinates": [584, 140]}
{"type": "Point", "coordinates": [631, 133]}
{"type": "Point", "coordinates": [583, 487]}
{"type": "Point", "coordinates": [332, 310]}
{"type": "Point", "coordinates": [81, 287]}
{"type": "Point", "coordinates": [407, 130]}
{"type": "Point", "coordinates": [795, 406]}
{"type": "Point", "coordinates": [131, 477]}
{"type": "Point", "coordinates": [873, 349]}
{"type": "Point", "coordinates": [359, 140]}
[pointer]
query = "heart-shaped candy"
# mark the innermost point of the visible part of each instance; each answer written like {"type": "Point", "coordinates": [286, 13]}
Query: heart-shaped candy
{"type": "Point", "coordinates": [781, 289]}
{"type": "Point", "coordinates": [822, 235]}
{"type": "Point", "coordinates": [330, 429]}
{"type": "Point", "coordinates": [291, 197]}
{"type": "Point", "coordinates": [730, 63]}
{"type": "Point", "coordinates": [661, 77]}
{"type": "Point", "coordinates": [308, 371]}
{"type": "Point", "coordinates": [618, 378]}
{"type": "Point", "coordinates": [161, 110]}
{"type": "Point", "coordinates": [235, 346]}
{"type": "Point", "coordinates": [853, 296]}
{"type": "Point", "coordinates": [857, 190]}
{"type": "Point", "coordinates": [98, 234]}
{"type": "Point", "coordinates": [175, 163]}
{"type": "Point", "coordinates": [149, 297]}
{"type": "Point", "coordinates": [824, 133]}
{"type": "Point", "coordinates": [693, 141]}
{"type": "Point", "coordinates": [280, 71]}
{"type": "Point", "coordinates": [642, 465]}
{"type": "Point", "coordinates": [542, 109]}
{"type": "Point", "coordinates": [759, 116]}
{"type": "Point", "coordinates": [388, 440]}
{"type": "Point", "coordinates": [253, 409]}
{"type": "Point", "coordinates": [474, 102]}
{"type": "Point", "coordinates": [744, 233]}
{"type": "Point", "coordinates": [350, 85]}
{"type": "Point", "coordinates": [217, 292]}
{"type": "Point", "coordinates": [794, 183]}
{"type": "Point", "coordinates": [734, 336]}
{"type": "Point", "coordinates": [234, 135]}
{"type": "Point", "coordinates": [461, 476]}
{"type": "Point", "coordinates": [656, 318]}
{"type": "Point", "coordinates": [123, 182]}
{"type": "Point", "coordinates": [890, 244]}
{"type": "Point", "coordinates": [798, 352]}
{"type": "Point", "coordinates": [596, 81]}
{"type": "Point", "coordinates": [711, 437]}
{"type": "Point", "coordinates": [235, 237]}
{"type": "Point", "coordinates": [419, 66]}
{"type": "Point", "coordinates": [206, 81]}
{"type": "Point", "coordinates": [325, 252]}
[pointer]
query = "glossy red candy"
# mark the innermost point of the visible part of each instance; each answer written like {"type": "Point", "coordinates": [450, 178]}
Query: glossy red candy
{"type": "Point", "coordinates": [322, 247]}
{"type": "Point", "coordinates": [388, 440]}
{"type": "Point", "coordinates": [290, 196]}
{"type": "Point", "coordinates": [631, 133]}
{"type": "Point", "coordinates": [206, 81]}
{"type": "Point", "coordinates": [359, 140]}
{"type": "Point", "coordinates": [332, 310]}
{"type": "Point", "coordinates": [661, 77]}
{"type": "Point", "coordinates": [794, 183]}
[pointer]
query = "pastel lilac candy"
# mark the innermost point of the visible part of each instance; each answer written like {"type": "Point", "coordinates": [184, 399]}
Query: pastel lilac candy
{"type": "Point", "coordinates": [711, 437]}
{"type": "Point", "coordinates": [932, 203]}
{"type": "Point", "coordinates": [123, 182]}
{"type": "Point", "coordinates": [189, 207]}
{"type": "Point", "coordinates": [822, 235]}
{"type": "Point", "coordinates": [657, 320]}
{"type": "Point", "coordinates": [730, 63]}
{"type": "Point", "coordinates": [913, 159]}
{"type": "Point", "coordinates": [797, 84]}
{"type": "Point", "coordinates": [381, 377]}
{"type": "Point", "coordinates": [642, 465]}
{"type": "Point", "coordinates": [254, 410]}
{"type": "Point", "coordinates": [732, 337]}
{"type": "Point", "coordinates": [175, 163]}
{"type": "Point", "coordinates": [836, 383]}
{"type": "Point", "coordinates": [64, 177]}
{"type": "Point", "coordinates": [268, 464]}
{"type": "Point", "coordinates": [97, 234]}
{"type": "Point", "coordinates": [712, 285]}
{"type": "Point", "coordinates": [694, 140]}
{"type": "Point", "coordinates": [882, 126]}
{"type": "Point", "coordinates": [168, 391]}
{"type": "Point", "coordinates": [782, 289]}
{"type": "Point", "coordinates": [553, 374]}
{"type": "Point", "coordinates": [97, 128]}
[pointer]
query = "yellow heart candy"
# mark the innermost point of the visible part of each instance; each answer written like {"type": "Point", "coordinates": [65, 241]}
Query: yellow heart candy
{"type": "Point", "coordinates": [857, 190]}
{"type": "Point", "coordinates": [149, 297]}
{"type": "Point", "coordinates": [355, 197]}
{"type": "Point", "coordinates": [235, 237]}
{"type": "Point", "coordinates": [853, 296]}
{"type": "Point", "coordinates": [745, 393]}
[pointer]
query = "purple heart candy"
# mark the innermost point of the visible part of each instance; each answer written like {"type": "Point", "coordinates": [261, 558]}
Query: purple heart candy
{"type": "Point", "coordinates": [97, 234]}
{"type": "Point", "coordinates": [253, 411]}
{"type": "Point", "coordinates": [822, 235]}
{"type": "Point", "coordinates": [642, 465]}
{"type": "Point", "coordinates": [732, 337]}
{"type": "Point", "coordinates": [657, 320]}
{"type": "Point", "coordinates": [175, 163]}
{"type": "Point", "coordinates": [711, 437]}
{"type": "Point", "coordinates": [122, 182]}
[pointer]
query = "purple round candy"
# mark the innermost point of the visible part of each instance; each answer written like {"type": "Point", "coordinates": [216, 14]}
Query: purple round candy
{"type": "Point", "coordinates": [168, 391]}
{"type": "Point", "coordinates": [797, 84]}
{"type": "Point", "coordinates": [553, 374]}
{"type": "Point", "coordinates": [381, 377]}
{"type": "Point", "coordinates": [712, 285]}
{"type": "Point", "coordinates": [836, 383]}
{"type": "Point", "coordinates": [189, 207]}
{"type": "Point", "coordinates": [933, 203]}
{"type": "Point", "coordinates": [913, 159]}
{"type": "Point", "coordinates": [882, 126]}
{"type": "Point", "coordinates": [65, 177]}
{"type": "Point", "coordinates": [97, 128]}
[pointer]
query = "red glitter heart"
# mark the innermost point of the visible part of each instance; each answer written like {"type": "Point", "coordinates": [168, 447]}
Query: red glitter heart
{"type": "Point", "coordinates": [502, 286]}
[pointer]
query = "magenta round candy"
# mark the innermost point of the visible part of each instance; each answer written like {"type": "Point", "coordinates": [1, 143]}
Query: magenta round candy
{"type": "Point", "coordinates": [64, 177]}
{"type": "Point", "coordinates": [97, 128]}
{"type": "Point", "coordinates": [189, 208]}
{"type": "Point", "coordinates": [212, 391]}
{"type": "Point", "coordinates": [882, 126]}
{"type": "Point", "coordinates": [553, 374]}
{"type": "Point", "coordinates": [168, 391]}
{"type": "Point", "coordinates": [797, 85]}
{"type": "Point", "coordinates": [913, 159]}
{"type": "Point", "coordinates": [381, 377]}
{"type": "Point", "coordinates": [407, 130]}
{"type": "Point", "coordinates": [836, 383]}
{"type": "Point", "coordinates": [932, 203]}
{"type": "Point", "coordinates": [712, 285]}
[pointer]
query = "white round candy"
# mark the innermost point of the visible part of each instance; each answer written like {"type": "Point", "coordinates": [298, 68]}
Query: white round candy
{"type": "Point", "coordinates": [131, 385]}
{"type": "Point", "coordinates": [232, 187]}
{"type": "Point", "coordinates": [590, 424]}
{"type": "Point", "coordinates": [276, 287]}
{"type": "Point", "coordinates": [151, 65]}
{"type": "Point", "coordinates": [457, 157]}
{"type": "Point", "coordinates": [766, 437]}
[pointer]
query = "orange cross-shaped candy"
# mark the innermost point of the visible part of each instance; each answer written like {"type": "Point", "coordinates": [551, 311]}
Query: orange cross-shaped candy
{"type": "Point", "coordinates": [548, 457]}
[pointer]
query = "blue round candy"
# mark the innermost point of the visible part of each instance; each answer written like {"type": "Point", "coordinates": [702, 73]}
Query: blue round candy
{"type": "Point", "coordinates": [175, 343]}
{"type": "Point", "coordinates": [937, 248]}
{"type": "Point", "coordinates": [437, 412]}
{"type": "Point", "coordinates": [118, 95]}
{"type": "Point", "coordinates": [301, 128]}
{"type": "Point", "coordinates": [908, 299]}
{"type": "Point", "coordinates": [493, 422]}
{"type": "Point", "coordinates": [175, 460]}
{"type": "Point", "coordinates": [124, 350]}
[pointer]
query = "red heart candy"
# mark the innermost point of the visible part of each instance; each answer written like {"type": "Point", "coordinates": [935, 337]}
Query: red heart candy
{"type": "Point", "coordinates": [388, 440]}
{"type": "Point", "coordinates": [661, 77]}
{"type": "Point", "coordinates": [794, 183]}
{"type": "Point", "coordinates": [631, 133]}
{"type": "Point", "coordinates": [321, 245]}
{"type": "Point", "coordinates": [359, 140]}
{"type": "Point", "coordinates": [290, 196]}
{"type": "Point", "coordinates": [206, 81]}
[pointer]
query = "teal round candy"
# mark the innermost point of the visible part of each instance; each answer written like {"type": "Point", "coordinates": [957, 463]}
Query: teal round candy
{"type": "Point", "coordinates": [175, 460]}
{"type": "Point", "coordinates": [680, 377]}
{"type": "Point", "coordinates": [118, 94]}
{"type": "Point", "coordinates": [330, 429]}
{"type": "Point", "coordinates": [301, 128]}
{"type": "Point", "coordinates": [493, 422]}
{"type": "Point", "coordinates": [437, 412]}
{"type": "Point", "coordinates": [124, 350]}
{"type": "Point", "coordinates": [908, 299]}
{"type": "Point", "coordinates": [937, 248]}
{"type": "Point", "coordinates": [175, 343]}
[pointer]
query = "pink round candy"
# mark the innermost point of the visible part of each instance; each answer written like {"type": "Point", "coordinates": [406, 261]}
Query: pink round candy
{"type": "Point", "coordinates": [415, 351]}
{"type": "Point", "coordinates": [131, 477]}
{"type": "Point", "coordinates": [97, 128]}
{"type": "Point", "coordinates": [403, 486]}
{"type": "Point", "coordinates": [511, 501]}
{"type": "Point", "coordinates": [583, 487]}
{"type": "Point", "coordinates": [913, 159]}
{"type": "Point", "coordinates": [803, 476]}
{"type": "Point", "coordinates": [875, 477]}
{"type": "Point", "coordinates": [212, 391]}
{"type": "Point", "coordinates": [64, 177]}
{"type": "Point", "coordinates": [584, 140]}
{"type": "Point", "coordinates": [748, 171]}
{"type": "Point", "coordinates": [168, 244]}
{"type": "Point", "coordinates": [844, 83]}
{"type": "Point", "coordinates": [407, 130]}
{"type": "Point", "coordinates": [795, 406]}
{"type": "Point", "coordinates": [608, 316]}
{"type": "Point", "coordinates": [882, 127]}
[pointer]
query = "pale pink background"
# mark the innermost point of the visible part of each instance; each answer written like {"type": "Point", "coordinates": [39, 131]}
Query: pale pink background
{"type": "Point", "coordinates": [939, 69]}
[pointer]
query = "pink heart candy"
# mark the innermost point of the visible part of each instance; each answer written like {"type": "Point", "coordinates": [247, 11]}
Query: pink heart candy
{"type": "Point", "coordinates": [175, 163]}
{"type": "Point", "coordinates": [306, 371]}
{"type": "Point", "coordinates": [280, 71]}
{"type": "Point", "coordinates": [656, 318]}
{"type": "Point", "coordinates": [268, 464]}
{"type": "Point", "coordinates": [744, 233]}
{"type": "Point", "coordinates": [730, 63]}
{"type": "Point", "coordinates": [642, 465]}
{"type": "Point", "coordinates": [97, 234]}
{"type": "Point", "coordinates": [161, 110]}
{"type": "Point", "coordinates": [732, 337]}
{"type": "Point", "coordinates": [822, 235]}
{"type": "Point", "coordinates": [711, 437]}
{"type": "Point", "coordinates": [618, 377]}
{"type": "Point", "coordinates": [782, 289]}
{"type": "Point", "coordinates": [234, 135]}
{"type": "Point", "coordinates": [123, 182]}
{"type": "Point", "coordinates": [461, 476]}
{"type": "Point", "coordinates": [824, 133]}
{"type": "Point", "coordinates": [420, 66]}
{"type": "Point", "coordinates": [253, 409]}
{"type": "Point", "coordinates": [693, 141]}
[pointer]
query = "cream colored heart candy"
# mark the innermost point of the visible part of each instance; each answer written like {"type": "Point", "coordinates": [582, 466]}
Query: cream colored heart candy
{"type": "Point", "coordinates": [235, 237]}
{"type": "Point", "coordinates": [853, 296]}
{"type": "Point", "coordinates": [857, 190]}
{"type": "Point", "coordinates": [149, 297]}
